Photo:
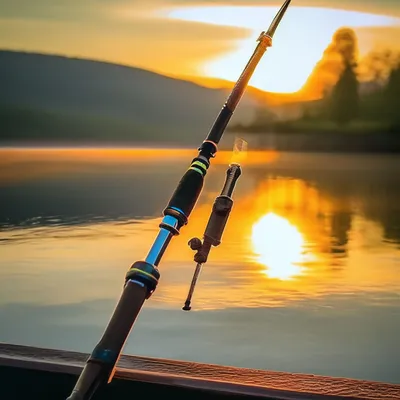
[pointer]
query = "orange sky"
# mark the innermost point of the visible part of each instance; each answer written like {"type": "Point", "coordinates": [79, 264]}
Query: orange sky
{"type": "Point", "coordinates": [205, 38]}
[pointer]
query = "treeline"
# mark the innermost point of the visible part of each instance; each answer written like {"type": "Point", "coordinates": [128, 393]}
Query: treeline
{"type": "Point", "coordinates": [367, 90]}
{"type": "Point", "coordinates": [355, 95]}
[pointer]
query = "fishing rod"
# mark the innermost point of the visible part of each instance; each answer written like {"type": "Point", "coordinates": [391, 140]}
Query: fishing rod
{"type": "Point", "coordinates": [217, 221]}
{"type": "Point", "coordinates": [142, 278]}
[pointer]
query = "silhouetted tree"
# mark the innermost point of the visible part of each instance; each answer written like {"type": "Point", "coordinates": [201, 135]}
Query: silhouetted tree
{"type": "Point", "coordinates": [343, 49]}
{"type": "Point", "coordinates": [345, 98]}
{"type": "Point", "coordinates": [377, 65]}
{"type": "Point", "coordinates": [391, 95]}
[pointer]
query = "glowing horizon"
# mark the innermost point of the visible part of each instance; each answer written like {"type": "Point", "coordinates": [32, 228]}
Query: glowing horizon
{"type": "Point", "coordinates": [300, 27]}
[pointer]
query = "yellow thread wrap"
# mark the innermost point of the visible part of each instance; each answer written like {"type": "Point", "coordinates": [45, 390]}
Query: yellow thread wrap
{"type": "Point", "coordinates": [197, 170]}
{"type": "Point", "coordinates": [201, 164]}
{"type": "Point", "coordinates": [144, 273]}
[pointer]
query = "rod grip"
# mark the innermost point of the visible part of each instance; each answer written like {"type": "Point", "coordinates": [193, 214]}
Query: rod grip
{"type": "Point", "coordinates": [100, 366]}
{"type": "Point", "coordinates": [188, 191]}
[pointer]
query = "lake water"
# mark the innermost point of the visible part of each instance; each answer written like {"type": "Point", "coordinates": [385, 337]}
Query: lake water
{"type": "Point", "coordinates": [307, 278]}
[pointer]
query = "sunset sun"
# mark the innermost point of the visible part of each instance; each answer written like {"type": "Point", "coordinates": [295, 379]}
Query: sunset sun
{"type": "Point", "coordinates": [298, 45]}
{"type": "Point", "coordinates": [278, 245]}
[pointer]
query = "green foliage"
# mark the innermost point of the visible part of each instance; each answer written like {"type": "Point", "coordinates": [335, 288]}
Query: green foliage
{"type": "Point", "coordinates": [351, 107]}
{"type": "Point", "coordinates": [324, 126]}
{"type": "Point", "coordinates": [344, 98]}
{"type": "Point", "coordinates": [391, 96]}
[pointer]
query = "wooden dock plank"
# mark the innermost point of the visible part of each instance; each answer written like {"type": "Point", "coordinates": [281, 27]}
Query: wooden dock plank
{"type": "Point", "coordinates": [197, 376]}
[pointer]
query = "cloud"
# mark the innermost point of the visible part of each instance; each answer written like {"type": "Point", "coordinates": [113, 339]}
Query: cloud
{"type": "Point", "coordinates": [302, 37]}
{"type": "Point", "coordinates": [130, 32]}
{"type": "Point", "coordinates": [146, 43]}
{"type": "Point", "coordinates": [256, 18]}
{"type": "Point", "coordinates": [63, 10]}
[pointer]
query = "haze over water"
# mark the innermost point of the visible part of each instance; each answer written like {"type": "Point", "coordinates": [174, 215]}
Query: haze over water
{"type": "Point", "coordinates": [307, 278]}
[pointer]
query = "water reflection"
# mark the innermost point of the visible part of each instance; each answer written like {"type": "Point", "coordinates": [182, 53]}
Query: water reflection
{"type": "Point", "coordinates": [285, 228]}
{"type": "Point", "coordinates": [72, 186]}
{"type": "Point", "coordinates": [279, 246]}
{"type": "Point", "coordinates": [306, 278]}
{"type": "Point", "coordinates": [294, 232]}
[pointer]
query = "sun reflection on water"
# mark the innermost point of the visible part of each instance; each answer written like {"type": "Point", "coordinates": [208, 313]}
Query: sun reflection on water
{"type": "Point", "coordinates": [288, 239]}
{"type": "Point", "coordinates": [278, 245]}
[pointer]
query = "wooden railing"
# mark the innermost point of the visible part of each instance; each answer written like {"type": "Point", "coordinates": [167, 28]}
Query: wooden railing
{"type": "Point", "coordinates": [36, 373]}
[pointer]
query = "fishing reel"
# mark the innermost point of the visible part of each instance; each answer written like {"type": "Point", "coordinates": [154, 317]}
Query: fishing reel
{"type": "Point", "coordinates": [215, 227]}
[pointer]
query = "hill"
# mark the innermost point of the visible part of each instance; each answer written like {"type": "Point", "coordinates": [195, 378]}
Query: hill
{"type": "Point", "coordinates": [272, 99]}
{"type": "Point", "coordinates": [55, 98]}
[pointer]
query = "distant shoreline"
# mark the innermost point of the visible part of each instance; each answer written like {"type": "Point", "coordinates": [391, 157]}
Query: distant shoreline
{"type": "Point", "coordinates": [287, 146]}
{"type": "Point", "coordinates": [322, 142]}
{"type": "Point", "coordinates": [89, 145]}
{"type": "Point", "coordinates": [327, 142]}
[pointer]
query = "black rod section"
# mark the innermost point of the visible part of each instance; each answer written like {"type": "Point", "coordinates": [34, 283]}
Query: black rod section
{"type": "Point", "coordinates": [264, 41]}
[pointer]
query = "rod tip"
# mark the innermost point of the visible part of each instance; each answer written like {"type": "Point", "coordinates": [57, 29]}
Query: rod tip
{"type": "Point", "coordinates": [276, 21]}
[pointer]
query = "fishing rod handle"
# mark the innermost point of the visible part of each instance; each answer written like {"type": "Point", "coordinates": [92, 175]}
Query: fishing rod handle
{"type": "Point", "coordinates": [100, 367]}
{"type": "Point", "coordinates": [186, 194]}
